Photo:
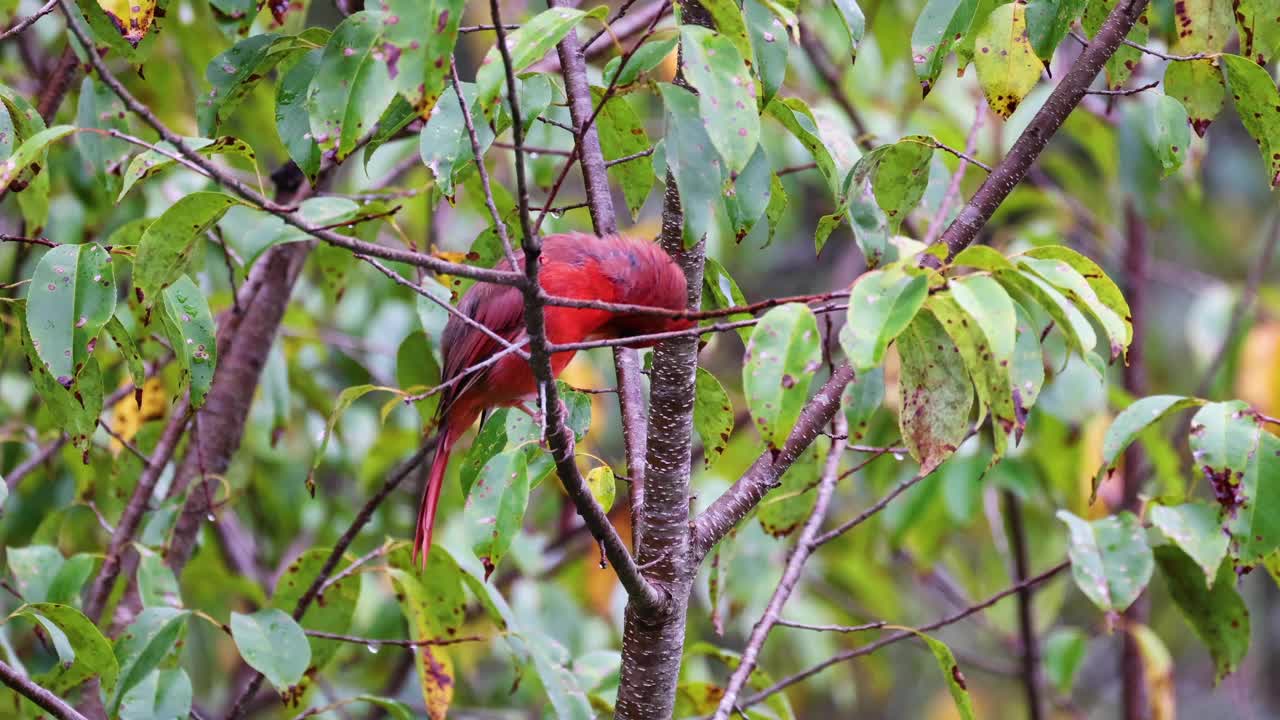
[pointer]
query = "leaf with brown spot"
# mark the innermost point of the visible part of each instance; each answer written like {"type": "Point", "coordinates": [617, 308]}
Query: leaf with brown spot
{"type": "Point", "coordinates": [1258, 105]}
{"type": "Point", "coordinates": [1007, 65]}
{"type": "Point", "coordinates": [1199, 86]}
{"type": "Point", "coordinates": [934, 390]}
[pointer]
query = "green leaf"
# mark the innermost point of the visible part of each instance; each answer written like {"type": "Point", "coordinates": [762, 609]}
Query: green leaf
{"type": "Point", "coordinates": [1104, 288]}
{"type": "Point", "coordinates": [148, 163]}
{"type": "Point", "coordinates": [444, 144]}
{"type": "Point", "coordinates": [75, 405]}
{"type": "Point", "coordinates": [1048, 22]}
{"type": "Point", "coordinates": [622, 133]}
{"type": "Point", "coordinates": [603, 486]}
{"type": "Point", "coordinates": [1215, 612]}
{"type": "Point", "coordinates": [192, 334]}
{"type": "Point", "coordinates": [882, 303]}
{"type": "Point", "coordinates": [1257, 104]}
{"type": "Point", "coordinates": [687, 148]}
{"type": "Point", "coordinates": [333, 608]}
{"type": "Point", "coordinates": [1028, 290]}
{"type": "Point", "coordinates": [1170, 133]}
{"type": "Point", "coordinates": [935, 394]}
{"type": "Point", "coordinates": [781, 359]}
{"type": "Point", "coordinates": [417, 370]}
{"type": "Point", "coordinates": [421, 608]}
{"type": "Point", "coordinates": [647, 57]}
{"type": "Point", "coordinates": [779, 707]}
{"type": "Point", "coordinates": [86, 652]}
{"type": "Point", "coordinates": [34, 568]}
{"type": "Point", "coordinates": [1110, 560]}
{"type": "Point", "coordinates": [235, 73]}
{"type": "Point", "coordinates": [128, 350]}
{"type": "Point", "coordinates": [712, 416]}
{"type": "Point", "coordinates": [941, 23]}
{"type": "Point", "coordinates": [293, 121]}
{"type": "Point", "coordinates": [1197, 530]}
{"type": "Point", "coordinates": [157, 585]}
{"type": "Point", "coordinates": [730, 22]}
{"type": "Point", "coordinates": [1259, 30]}
{"type": "Point", "coordinates": [1007, 65]}
{"type": "Point", "coordinates": [1122, 62]}
{"type": "Point", "coordinates": [721, 292]}
{"type": "Point", "coordinates": [798, 119]}
{"type": "Point", "coordinates": [956, 682]}
{"type": "Point", "coordinates": [73, 295]}
{"type": "Point", "coordinates": [861, 399]}
{"type": "Point", "coordinates": [99, 107]}
{"type": "Point", "coordinates": [726, 92]}
{"type": "Point", "coordinates": [1223, 439]}
{"type": "Point", "coordinates": [526, 46]}
{"type": "Point", "coordinates": [345, 400]}
{"type": "Point", "coordinates": [1130, 423]}
{"type": "Point", "coordinates": [747, 198]}
{"type": "Point", "coordinates": [770, 47]}
{"type": "Point", "coordinates": [900, 177]}
{"type": "Point", "coordinates": [1202, 25]}
{"type": "Point", "coordinates": [496, 505]}
{"type": "Point", "coordinates": [149, 640]}
{"type": "Point", "coordinates": [1026, 369]}
{"type": "Point", "coordinates": [166, 248]}
{"type": "Point", "coordinates": [1062, 275]}
{"type": "Point", "coordinates": [352, 85]}
{"type": "Point", "coordinates": [272, 643]}
{"type": "Point", "coordinates": [420, 37]}
{"type": "Point", "coordinates": [1255, 529]}
{"type": "Point", "coordinates": [30, 155]}
{"type": "Point", "coordinates": [855, 24]}
{"type": "Point", "coordinates": [1199, 86]}
{"type": "Point", "coordinates": [966, 46]}
{"type": "Point", "coordinates": [162, 694]}
{"type": "Point", "coordinates": [1064, 652]}
{"type": "Point", "coordinates": [987, 302]}
{"type": "Point", "coordinates": [785, 508]}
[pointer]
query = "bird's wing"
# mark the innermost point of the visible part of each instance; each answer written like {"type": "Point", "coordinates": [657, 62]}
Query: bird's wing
{"type": "Point", "coordinates": [499, 308]}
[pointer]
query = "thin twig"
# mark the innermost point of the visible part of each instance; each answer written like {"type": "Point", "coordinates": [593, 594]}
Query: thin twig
{"type": "Point", "coordinates": [790, 576]}
{"type": "Point", "coordinates": [965, 156]}
{"type": "Point", "coordinates": [28, 21]}
{"type": "Point", "coordinates": [831, 628]}
{"type": "Point", "coordinates": [1152, 51]}
{"type": "Point", "coordinates": [1123, 92]}
{"type": "Point", "coordinates": [903, 635]}
{"type": "Point", "coordinates": [374, 642]}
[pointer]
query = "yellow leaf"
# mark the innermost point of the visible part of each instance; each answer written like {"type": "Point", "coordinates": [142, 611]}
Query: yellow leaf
{"type": "Point", "coordinates": [435, 670]}
{"type": "Point", "coordinates": [127, 417]}
{"type": "Point", "coordinates": [1258, 378]}
{"type": "Point", "coordinates": [1157, 667]}
{"type": "Point", "coordinates": [1007, 65]}
{"type": "Point", "coordinates": [1091, 436]}
{"type": "Point", "coordinates": [132, 17]}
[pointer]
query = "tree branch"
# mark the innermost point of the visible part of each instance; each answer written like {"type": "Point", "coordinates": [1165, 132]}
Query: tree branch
{"type": "Point", "coordinates": [1064, 98]}
{"type": "Point", "coordinates": [55, 705]}
{"type": "Point", "coordinates": [869, 648]}
{"type": "Point", "coordinates": [790, 577]}
{"type": "Point", "coordinates": [763, 475]}
{"type": "Point", "coordinates": [1026, 622]}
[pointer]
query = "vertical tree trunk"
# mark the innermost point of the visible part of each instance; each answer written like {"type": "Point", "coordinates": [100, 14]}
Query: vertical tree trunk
{"type": "Point", "coordinates": [1135, 381]}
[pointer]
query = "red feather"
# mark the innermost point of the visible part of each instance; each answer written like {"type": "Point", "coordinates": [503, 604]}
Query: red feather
{"type": "Point", "coordinates": [581, 266]}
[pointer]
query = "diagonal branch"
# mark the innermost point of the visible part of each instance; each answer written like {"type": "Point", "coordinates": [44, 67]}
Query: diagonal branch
{"type": "Point", "coordinates": [55, 705]}
{"type": "Point", "coordinates": [1064, 98]}
{"type": "Point", "coordinates": [790, 577]}
{"type": "Point", "coordinates": [764, 474]}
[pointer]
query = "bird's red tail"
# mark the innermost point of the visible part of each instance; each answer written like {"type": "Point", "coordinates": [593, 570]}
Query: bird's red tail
{"type": "Point", "coordinates": [430, 497]}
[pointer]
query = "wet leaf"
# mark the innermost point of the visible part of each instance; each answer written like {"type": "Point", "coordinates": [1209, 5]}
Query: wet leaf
{"type": "Point", "coordinates": [73, 295]}
{"type": "Point", "coordinates": [1196, 528]}
{"type": "Point", "coordinates": [234, 73]}
{"type": "Point", "coordinates": [272, 643]}
{"type": "Point", "coordinates": [770, 46]}
{"type": "Point", "coordinates": [293, 121]}
{"type": "Point", "coordinates": [192, 335]}
{"type": "Point", "coordinates": [1110, 560]}
{"type": "Point", "coordinates": [622, 133]}
{"type": "Point", "coordinates": [333, 608]}
{"type": "Point", "coordinates": [82, 650]}
{"type": "Point", "coordinates": [496, 505]}
{"type": "Point", "coordinates": [882, 304]}
{"type": "Point", "coordinates": [940, 24]}
{"type": "Point", "coordinates": [149, 640]}
{"type": "Point", "coordinates": [145, 164]}
{"type": "Point", "coordinates": [352, 84]}
{"type": "Point", "coordinates": [1223, 438]}
{"type": "Point", "coordinates": [691, 161]}
{"type": "Point", "coordinates": [167, 245]}
{"type": "Point", "coordinates": [716, 68]}
{"type": "Point", "coordinates": [781, 359]}
{"type": "Point", "coordinates": [535, 38]}
{"type": "Point", "coordinates": [420, 37]}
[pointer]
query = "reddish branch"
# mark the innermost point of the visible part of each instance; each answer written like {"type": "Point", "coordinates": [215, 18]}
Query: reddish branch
{"type": "Point", "coordinates": [23, 685]}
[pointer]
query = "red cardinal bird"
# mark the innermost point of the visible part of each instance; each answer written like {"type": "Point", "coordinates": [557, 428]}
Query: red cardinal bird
{"type": "Point", "coordinates": [613, 269]}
